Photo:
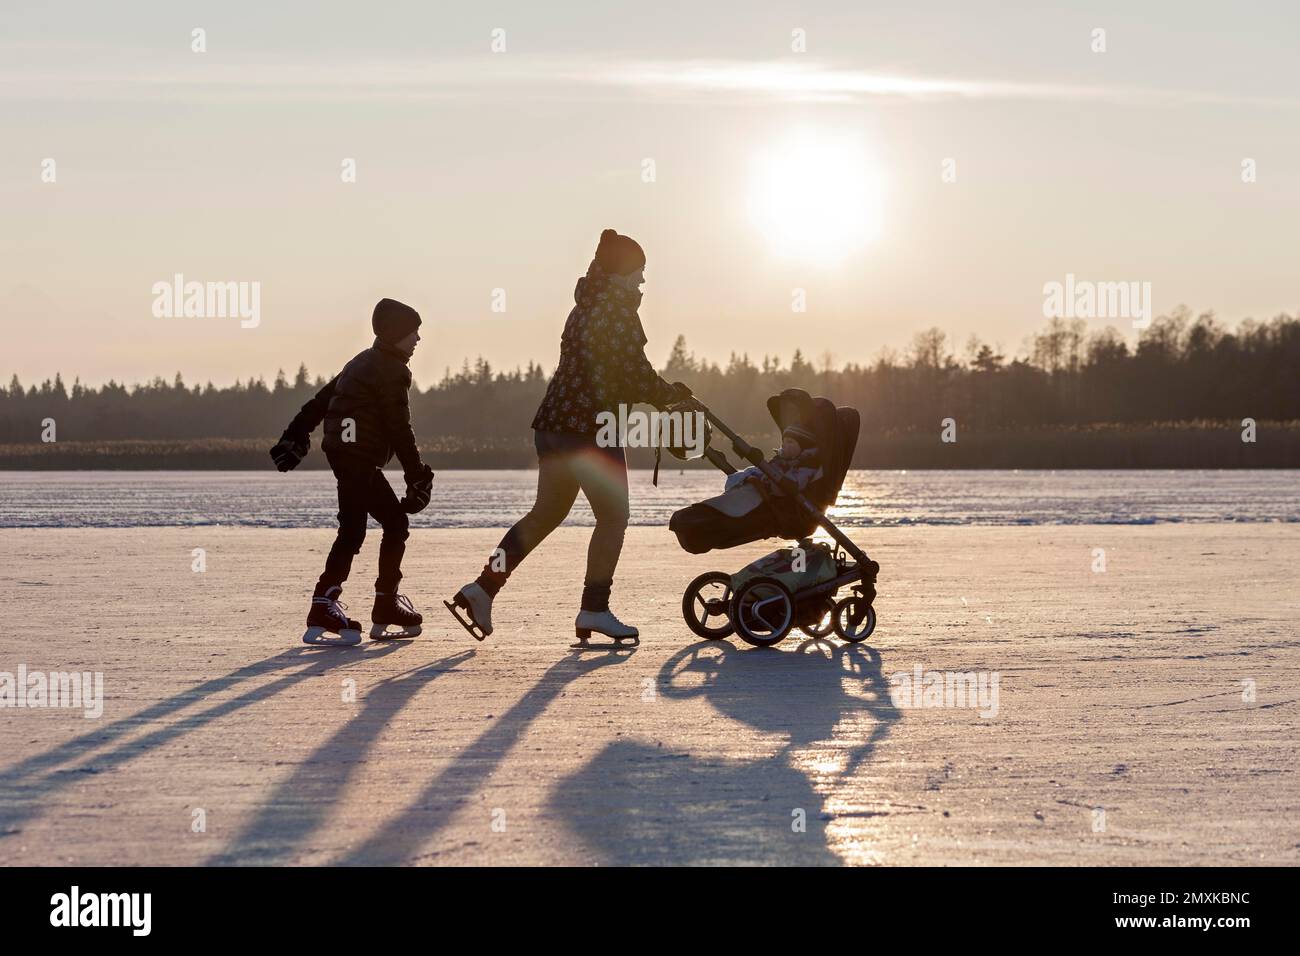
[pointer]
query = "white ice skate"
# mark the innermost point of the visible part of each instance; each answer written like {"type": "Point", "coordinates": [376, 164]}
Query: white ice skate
{"type": "Point", "coordinates": [328, 625]}
{"type": "Point", "coordinates": [477, 603]}
{"type": "Point", "coordinates": [603, 622]}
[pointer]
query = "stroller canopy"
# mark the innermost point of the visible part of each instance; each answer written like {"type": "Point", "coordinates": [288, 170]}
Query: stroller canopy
{"type": "Point", "coordinates": [837, 437]}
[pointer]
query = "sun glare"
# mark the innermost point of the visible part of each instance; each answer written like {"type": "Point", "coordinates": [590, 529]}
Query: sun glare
{"type": "Point", "coordinates": [815, 196]}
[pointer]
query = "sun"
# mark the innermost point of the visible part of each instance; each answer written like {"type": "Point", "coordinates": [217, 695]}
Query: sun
{"type": "Point", "coordinates": [815, 196]}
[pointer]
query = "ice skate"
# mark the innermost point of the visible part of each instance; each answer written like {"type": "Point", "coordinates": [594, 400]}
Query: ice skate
{"type": "Point", "coordinates": [477, 604]}
{"type": "Point", "coordinates": [328, 625]}
{"type": "Point", "coordinates": [603, 622]}
{"type": "Point", "coordinates": [393, 617]}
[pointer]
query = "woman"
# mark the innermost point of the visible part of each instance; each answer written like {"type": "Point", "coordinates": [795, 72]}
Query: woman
{"type": "Point", "coordinates": [602, 365]}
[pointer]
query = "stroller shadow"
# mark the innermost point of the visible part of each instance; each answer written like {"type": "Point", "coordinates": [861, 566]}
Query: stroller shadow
{"type": "Point", "coordinates": [636, 803]}
{"type": "Point", "coordinates": [300, 804]}
{"type": "Point", "coordinates": [25, 788]}
{"type": "Point", "coordinates": [400, 839]}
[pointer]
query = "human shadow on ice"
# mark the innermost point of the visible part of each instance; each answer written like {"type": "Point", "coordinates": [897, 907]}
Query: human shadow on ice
{"type": "Point", "coordinates": [25, 787]}
{"type": "Point", "coordinates": [401, 838]}
{"type": "Point", "coordinates": [301, 803]}
{"type": "Point", "coordinates": [639, 802]}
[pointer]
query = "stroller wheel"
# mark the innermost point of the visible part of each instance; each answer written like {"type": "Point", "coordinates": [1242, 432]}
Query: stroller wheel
{"type": "Point", "coordinates": [706, 605]}
{"type": "Point", "coordinates": [855, 619]}
{"type": "Point", "coordinates": [762, 611]}
{"type": "Point", "coordinates": [825, 624]}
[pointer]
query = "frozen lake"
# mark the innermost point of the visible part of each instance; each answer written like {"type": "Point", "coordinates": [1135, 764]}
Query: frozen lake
{"type": "Point", "coordinates": [111, 499]}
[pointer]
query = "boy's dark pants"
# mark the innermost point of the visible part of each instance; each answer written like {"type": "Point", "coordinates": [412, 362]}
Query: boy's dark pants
{"type": "Point", "coordinates": [363, 490]}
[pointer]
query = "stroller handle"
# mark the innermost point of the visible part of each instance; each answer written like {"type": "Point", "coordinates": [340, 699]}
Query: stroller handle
{"type": "Point", "coordinates": [720, 461]}
{"type": "Point", "coordinates": [743, 448]}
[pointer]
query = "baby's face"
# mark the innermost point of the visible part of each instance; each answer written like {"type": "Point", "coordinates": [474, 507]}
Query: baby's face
{"type": "Point", "coordinates": [790, 448]}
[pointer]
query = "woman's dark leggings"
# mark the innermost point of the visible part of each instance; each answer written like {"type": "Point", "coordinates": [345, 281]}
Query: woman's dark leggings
{"type": "Point", "coordinates": [567, 464]}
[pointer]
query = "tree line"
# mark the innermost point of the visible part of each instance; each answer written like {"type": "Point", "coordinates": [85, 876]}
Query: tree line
{"type": "Point", "coordinates": [1181, 369]}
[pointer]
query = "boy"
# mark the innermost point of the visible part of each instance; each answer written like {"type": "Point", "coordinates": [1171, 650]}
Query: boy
{"type": "Point", "coordinates": [367, 419]}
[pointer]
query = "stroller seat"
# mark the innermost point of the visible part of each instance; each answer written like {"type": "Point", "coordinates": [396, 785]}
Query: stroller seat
{"type": "Point", "coordinates": [746, 514]}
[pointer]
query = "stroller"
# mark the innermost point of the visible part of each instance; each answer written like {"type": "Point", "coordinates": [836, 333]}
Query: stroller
{"type": "Point", "coordinates": [793, 586]}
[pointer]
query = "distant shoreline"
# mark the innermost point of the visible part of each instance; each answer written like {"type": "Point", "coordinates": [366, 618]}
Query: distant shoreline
{"type": "Point", "coordinates": [1192, 445]}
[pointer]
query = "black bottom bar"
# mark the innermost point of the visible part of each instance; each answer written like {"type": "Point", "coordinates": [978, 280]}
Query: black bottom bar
{"type": "Point", "coordinates": [1060, 907]}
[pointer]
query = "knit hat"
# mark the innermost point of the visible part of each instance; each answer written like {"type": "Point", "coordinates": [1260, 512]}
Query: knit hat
{"type": "Point", "coordinates": [803, 436]}
{"type": "Point", "coordinates": [619, 255]}
{"type": "Point", "coordinates": [393, 321]}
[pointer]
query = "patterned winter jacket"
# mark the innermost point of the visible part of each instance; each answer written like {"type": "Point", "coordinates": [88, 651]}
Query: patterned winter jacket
{"type": "Point", "coordinates": [602, 359]}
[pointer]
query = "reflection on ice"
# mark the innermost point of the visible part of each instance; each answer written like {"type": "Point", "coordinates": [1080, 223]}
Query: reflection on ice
{"type": "Point", "coordinates": [476, 499]}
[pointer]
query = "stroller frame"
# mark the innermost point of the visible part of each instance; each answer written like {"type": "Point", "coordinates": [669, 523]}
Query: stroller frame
{"type": "Point", "coordinates": [852, 618]}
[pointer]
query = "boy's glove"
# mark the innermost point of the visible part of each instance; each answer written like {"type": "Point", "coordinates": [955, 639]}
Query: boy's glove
{"type": "Point", "coordinates": [288, 452]}
{"type": "Point", "coordinates": [419, 488]}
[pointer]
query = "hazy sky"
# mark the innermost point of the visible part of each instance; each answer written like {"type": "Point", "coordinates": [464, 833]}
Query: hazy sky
{"type": "Point", "coordinates": [479, 171]}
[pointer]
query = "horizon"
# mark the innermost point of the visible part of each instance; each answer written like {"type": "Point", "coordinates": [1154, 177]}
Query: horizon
{"type": "Point", "coordinates": [888, 169]}
{"type": "Point", "coordinates": [816, 358]}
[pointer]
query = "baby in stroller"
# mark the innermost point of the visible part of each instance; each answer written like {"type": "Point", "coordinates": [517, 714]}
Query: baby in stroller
{"type": "Point", "coordinates": [796, 460]}
{"type": "Point", "coordinates": [786, 496]}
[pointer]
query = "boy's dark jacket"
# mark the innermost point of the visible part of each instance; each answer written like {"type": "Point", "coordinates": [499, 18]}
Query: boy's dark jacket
{"type": "Point", "coordinates": [372, 391]}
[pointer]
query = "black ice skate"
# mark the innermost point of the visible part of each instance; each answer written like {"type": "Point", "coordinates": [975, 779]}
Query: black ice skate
{"type": "Point", "coordinates": [328, 625]}
{"type": "Point", "coordinates": [394, 617]}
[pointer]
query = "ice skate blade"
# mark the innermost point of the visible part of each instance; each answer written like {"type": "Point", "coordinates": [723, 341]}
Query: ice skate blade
{"type": "Point", "coordinates": [380, 632]}
{"type": "Point", "coordinates": [470, 625]}
{"type": "Point", "coordinates": [323, 638]}
{"type": "Point", "coordinates": [583, 642]}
